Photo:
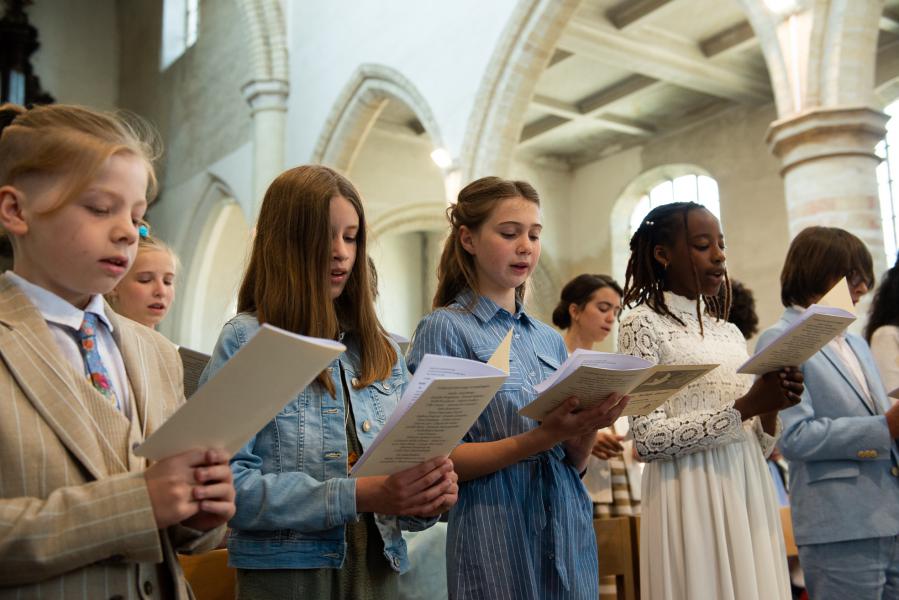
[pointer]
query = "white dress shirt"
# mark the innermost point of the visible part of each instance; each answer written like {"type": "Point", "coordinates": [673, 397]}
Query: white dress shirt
{"type": "Point", "coordinates": [850, 361]}
{"type": "Point", "coordinates": [64, 321]}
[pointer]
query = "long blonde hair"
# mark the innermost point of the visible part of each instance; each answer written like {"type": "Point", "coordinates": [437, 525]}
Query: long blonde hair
{"type": "Point", "coordinates": [475, 203]}
{"type": "Point", "coordinates": [285, 280]}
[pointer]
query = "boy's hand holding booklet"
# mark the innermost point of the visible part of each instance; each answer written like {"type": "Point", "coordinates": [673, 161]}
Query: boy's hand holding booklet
{"type": "Point", "coordinates": [245, 394]}
{"type": "Point", "coordinates": [591, 376]}
{"type": "Point", "coordinates": [815, 328]}
{"type": "Point", "coordinates": [443, 400]}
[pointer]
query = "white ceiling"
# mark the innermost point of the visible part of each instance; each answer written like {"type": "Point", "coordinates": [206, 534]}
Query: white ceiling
{"type": "Point", "coordinates": [627, 70]}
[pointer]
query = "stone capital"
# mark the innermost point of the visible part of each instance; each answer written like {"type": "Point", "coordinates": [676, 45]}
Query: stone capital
{"type": "Point", "coordinates": [823, 133]}
{"type": "Point", "coordinates": [267, 94]}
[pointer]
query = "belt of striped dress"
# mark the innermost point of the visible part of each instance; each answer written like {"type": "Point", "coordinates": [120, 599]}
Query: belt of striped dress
{"type": "Point", "coordinates": [551, 466]}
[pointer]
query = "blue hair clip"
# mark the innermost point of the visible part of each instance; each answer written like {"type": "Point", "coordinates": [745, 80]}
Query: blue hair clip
{"type": "Point", "coordinates": [143, 231]}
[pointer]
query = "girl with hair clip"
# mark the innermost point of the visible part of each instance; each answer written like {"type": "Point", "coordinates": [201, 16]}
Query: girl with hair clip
{"type": "Point", "coordinates": [303, 527]}
{"type": "Point", "coordinates": [146, 293]}
{"type": "Point", "coordinates": [840, 441]}
{"type": "Point", "coordinates": [711, 527]}
{"type": "Point", "coordinates": [81, 516]}
{"type": "Point", "coordinates": [523, 526]}
{"type": "Point", "coordinates": [882, 330]}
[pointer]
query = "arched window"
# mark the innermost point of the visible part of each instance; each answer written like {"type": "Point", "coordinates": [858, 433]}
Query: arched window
{"type": "Point", "coordinates": [180, 26]}
{"type": "Point", "coordinates": [888, 183]}
{"type": "Point", "coordinates": [686, 188]}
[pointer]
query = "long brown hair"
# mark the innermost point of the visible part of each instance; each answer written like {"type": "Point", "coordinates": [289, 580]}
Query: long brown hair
{"type": "Point", "coordinates": [475, 203]}
{"type": "Point", "coordinates": [286, 279]}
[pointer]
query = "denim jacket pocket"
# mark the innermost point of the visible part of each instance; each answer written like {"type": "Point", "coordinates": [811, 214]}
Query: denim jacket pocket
{"type": "Point", "coordinates": [384, 396]}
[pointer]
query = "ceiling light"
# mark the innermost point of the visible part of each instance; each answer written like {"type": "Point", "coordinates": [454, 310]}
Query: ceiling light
{"type": "Point", "coordinates": [783, 7]}
{"type": "Point", "coordinates": [442, 158]}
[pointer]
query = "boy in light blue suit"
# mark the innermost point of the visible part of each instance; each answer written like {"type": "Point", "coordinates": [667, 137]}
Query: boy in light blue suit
{"type": "Point", "coordinates": [840, 440]}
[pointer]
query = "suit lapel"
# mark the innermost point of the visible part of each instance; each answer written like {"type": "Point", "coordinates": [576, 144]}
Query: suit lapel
{"type": "Point", "coordinates": [872, 377]}
{"type": "Point", "coordinates": [843, 370]}
{"type": "Point", "coordinates": [142, 367]}
{"type": "Point", "coordinates": [40, 371]}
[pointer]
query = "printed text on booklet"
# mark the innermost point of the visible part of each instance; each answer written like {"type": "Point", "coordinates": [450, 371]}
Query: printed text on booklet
{"type": "Point", "coordinates": [815, 328]}
{"type": "Point", "coordinates": [443, 400]}
{"type": "Point", "coordinates": [591, 376]}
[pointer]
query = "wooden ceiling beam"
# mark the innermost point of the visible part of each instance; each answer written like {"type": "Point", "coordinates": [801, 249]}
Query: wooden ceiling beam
{"type": "Point", "coordinates": [682, 65]}
{"type": "Point", "coordinates": [629, 13]}
{"type": "Point", "coordinates": [738, 37]}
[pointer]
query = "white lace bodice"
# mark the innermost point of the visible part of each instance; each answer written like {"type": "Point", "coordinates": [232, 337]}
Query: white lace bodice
{"type": "Point", "coordinates": [701, 415]}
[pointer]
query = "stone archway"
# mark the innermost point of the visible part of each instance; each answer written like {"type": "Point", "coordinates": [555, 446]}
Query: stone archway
{"type": "Point", "coordinates": [212, 265]}
{"type": "Point", "coordinates": [357, 108]}
{"type": "Point", "coordinates": [521, 56]}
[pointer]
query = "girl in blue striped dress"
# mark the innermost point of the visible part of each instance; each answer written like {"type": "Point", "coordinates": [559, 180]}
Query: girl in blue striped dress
{"type": "Point", "coordinates": [522, 528]}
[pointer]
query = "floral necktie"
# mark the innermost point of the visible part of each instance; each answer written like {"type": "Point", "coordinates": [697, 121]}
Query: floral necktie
{"type": "Point", "coordinates": [93, 366]}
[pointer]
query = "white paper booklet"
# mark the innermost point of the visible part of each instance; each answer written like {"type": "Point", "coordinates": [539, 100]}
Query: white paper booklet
{"type": "Point", "coordinates": [443, 400]}
{"type": "Point", "coordinates": [245, 394]}
{"type": "Point", "coordinates": [815, 327]}
{"type": "Point", "coordinates": [591, 376]}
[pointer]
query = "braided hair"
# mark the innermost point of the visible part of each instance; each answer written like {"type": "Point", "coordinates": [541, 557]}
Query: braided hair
{"type": "Point", "coordinates": [644, 281]}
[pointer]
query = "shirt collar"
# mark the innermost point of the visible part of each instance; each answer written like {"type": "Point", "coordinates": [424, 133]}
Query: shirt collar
{"type": "Point", "coordinates": [485, 309]}
{"type": "Point", "coordinates": [56, 310]}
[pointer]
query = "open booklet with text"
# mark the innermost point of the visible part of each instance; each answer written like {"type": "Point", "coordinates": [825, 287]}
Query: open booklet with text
{"type": "Point", "coordinates": [591, 376]}
{"type": "Point", "coordinates": [441, 403]}
{"type": "Point", "coordinates": [245, 394]}
{"type": "Point", "coordinates": [815, 328]}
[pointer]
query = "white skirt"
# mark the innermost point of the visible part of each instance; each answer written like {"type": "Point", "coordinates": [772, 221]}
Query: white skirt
{"type": "Point", "coordinates": [710, 527]}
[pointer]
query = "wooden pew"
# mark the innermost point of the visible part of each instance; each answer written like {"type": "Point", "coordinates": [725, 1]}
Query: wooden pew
{"type": "Point", "coordinates": [615, 549]}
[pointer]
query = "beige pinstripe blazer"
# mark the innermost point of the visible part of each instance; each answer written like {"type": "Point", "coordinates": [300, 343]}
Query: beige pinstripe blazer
{"type": "Point", "coordinates": [75, 515]}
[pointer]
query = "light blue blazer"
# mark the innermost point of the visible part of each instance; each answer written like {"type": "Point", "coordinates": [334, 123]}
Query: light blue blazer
{"type": "Point", "coordinates": [844, 479]}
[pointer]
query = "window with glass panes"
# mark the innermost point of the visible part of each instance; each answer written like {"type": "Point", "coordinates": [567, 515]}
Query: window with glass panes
{"type": "Point", "coordinates": [887, 175]}
{"type": "Point", "coordinates": [687, 188]}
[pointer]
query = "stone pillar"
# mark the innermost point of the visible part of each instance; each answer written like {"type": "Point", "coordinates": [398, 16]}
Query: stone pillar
{"type": "Point", "coordinates": [829, 171]}
{"type": "Point", "coordinates": [268, 101]}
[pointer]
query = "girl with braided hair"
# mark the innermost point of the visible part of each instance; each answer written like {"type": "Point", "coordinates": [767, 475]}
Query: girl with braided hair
{"type": "Point", "coordinates": [711, 528]}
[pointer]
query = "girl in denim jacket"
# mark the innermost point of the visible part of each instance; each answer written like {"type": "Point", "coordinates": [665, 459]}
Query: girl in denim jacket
{"type": "Point", "coordinates": [303, 528]}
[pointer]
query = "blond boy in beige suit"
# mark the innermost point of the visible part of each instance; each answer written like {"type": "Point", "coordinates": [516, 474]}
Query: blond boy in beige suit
{"type": "Point", "coordinates": [80, 515]}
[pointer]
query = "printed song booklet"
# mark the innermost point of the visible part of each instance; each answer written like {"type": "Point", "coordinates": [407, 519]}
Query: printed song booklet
{"type": "Point", "coordinates": [818, 324]}
{"type": "Point", "coordinates": [445, 397]}
{"type": "Point", "coordinates": [591, 376]}
{"type": "Point", "coordinates": [245, 394]}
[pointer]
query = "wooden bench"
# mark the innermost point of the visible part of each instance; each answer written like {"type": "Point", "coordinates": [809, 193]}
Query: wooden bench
{"type": "Point", "coordinates": [615, 549]}
{"type": "Point", "coordinates": [209, 575]}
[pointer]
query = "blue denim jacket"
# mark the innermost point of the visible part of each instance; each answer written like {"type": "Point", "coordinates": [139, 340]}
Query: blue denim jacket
{"type": "Point", "coordinates": [293, 494]}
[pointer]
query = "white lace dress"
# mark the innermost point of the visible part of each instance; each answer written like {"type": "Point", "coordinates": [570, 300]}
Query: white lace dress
{"type": "Point", "coordinates": [710, 526]}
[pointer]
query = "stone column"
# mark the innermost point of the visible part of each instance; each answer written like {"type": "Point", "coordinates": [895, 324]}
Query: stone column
{"type": "Point", "coordinates": [829, 171]}
{"type": "Point", "coordinates": [268, 102]}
